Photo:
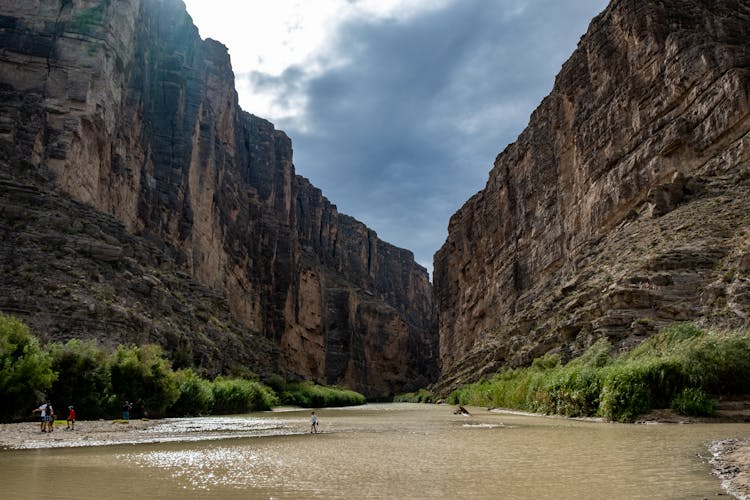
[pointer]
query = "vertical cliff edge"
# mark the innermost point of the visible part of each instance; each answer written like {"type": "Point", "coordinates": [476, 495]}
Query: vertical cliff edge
{"type": "Point", "coordinates": [622, 207]}
{"type": "Point", "coordinates": [140, 203]}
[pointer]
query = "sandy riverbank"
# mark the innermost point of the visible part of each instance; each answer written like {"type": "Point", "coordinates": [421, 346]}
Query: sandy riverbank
{"type": "Point", "coordinates": [108, 432]}
{"type": "Point", "coordinates": [87, 433]}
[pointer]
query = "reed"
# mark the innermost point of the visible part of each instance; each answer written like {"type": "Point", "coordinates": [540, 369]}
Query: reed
{"type": "Point", "coordinates": [310, 395]}
{"type": "Point", "coordinates": [679, 367]}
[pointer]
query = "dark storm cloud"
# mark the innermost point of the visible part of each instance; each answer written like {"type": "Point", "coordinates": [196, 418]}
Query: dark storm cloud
{"type": "Point", "coordinates": [405, 129]}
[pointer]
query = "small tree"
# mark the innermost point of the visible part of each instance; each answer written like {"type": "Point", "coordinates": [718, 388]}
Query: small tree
{"type": "Point", "coordinates": [25, 370]}
{"type": "Point", "coordinates": [196, 395]}
{"type": "Point", "coordinates": [144, 377]}
{"type": "Point", "coordinates": [82, 378]}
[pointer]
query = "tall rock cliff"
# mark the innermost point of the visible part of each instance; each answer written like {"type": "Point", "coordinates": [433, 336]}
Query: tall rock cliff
{"type": "Point", "coordinates": [120, 105]}
{"type": "Point", "coordinates": [623, 206]}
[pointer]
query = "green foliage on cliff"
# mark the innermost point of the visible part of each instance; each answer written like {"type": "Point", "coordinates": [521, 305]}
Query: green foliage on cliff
{"type": "Point", "coordinates": [88, 19]}
{"type": "Point", "coordinates": [676, 368]}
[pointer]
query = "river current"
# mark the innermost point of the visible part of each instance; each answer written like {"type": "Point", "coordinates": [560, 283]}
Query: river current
{"type": "Point", "coordinates": [381, 451]}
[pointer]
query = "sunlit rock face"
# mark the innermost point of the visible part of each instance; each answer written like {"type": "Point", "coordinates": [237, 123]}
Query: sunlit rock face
{"type": "Point", "coordinates": [121, 106]}
{"type": "Point", "coordinates": [622, 207]}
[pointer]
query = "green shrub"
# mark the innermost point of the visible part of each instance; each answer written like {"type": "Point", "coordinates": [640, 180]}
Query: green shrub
{"type": "Point", "coordinates": [144, 377]}
{"type": "Point", "coordinates": [236, 395]}
{"type": "Point", "coordinates": [310, 395]}
{"type": "Point", "coordinates": [196, 395]}
{"type": "Point", "coordinates": [25, 370]}
{"type": "Point", "coordinates": [694, 403]}
{"type": "Point", "coordinates": [420, 396]}
{"type": "Point", "coordinates": [596, 356]}
{"type": "Point", "coordinates": [625, 393]}
{"type": "Point", "coordinates": [83, 378]}
{"type": "Point", "coordinates": [546, 362]}
{"type": "Point", "coordinates": [655, 374]}
{"type": "Point", "coordinates": [574, 392]}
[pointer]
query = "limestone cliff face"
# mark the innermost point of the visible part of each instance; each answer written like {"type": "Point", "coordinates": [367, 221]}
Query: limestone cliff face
{"type": "Point", "coordinates": [623, 206]}
{"type": "Point", "coordinates": [123, 107]}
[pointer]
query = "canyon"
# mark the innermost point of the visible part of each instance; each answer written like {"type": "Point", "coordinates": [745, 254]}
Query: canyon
{"type": "Point", "coordinates": [621, 208]}
{"type": "Point", "coordinates": [141, 204]}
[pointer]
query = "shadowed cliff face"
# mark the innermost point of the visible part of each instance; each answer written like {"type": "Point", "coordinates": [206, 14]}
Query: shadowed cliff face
{"type": "Point", "coordinates": [121, 105]}
{"type": "Point", "coordinates": [622, 207]}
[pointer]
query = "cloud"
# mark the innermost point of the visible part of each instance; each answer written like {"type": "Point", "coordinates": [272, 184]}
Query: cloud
{"type": "Point", "coordinates": [401, 118]}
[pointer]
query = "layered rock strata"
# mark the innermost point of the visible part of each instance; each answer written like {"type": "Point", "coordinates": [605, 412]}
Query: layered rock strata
{"type": "Point", "coordinates": [122, 107]}
{"type": "Point", "coordinates": [622, 207]}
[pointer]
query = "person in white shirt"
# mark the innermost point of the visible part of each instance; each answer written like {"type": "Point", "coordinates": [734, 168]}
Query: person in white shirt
{"type": "Point", "coordinates": [42, 410]}
{"type": "Point", "coordinates": [313, 423]}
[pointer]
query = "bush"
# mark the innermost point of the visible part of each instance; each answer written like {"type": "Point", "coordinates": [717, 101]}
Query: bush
{"type": "Point", "coordinates": [625, 393]}
{"type": "Point", "coordinates": [236, 395]}
{"type": "Point", "coordinates": [144, 377]}
{"type": "Point", "coordinates": [82, 378]}
{"type": "Point", "coordinates": [655, 374]}
{"type": "Point", "coordinates": [421, 396]}
{"type": "Point", "coordinates": [694, 402]}
{"type": "Point", "coordinates": [574, 392]}
{"type": "Point", "coordinates": [309, 395]}
{"type": "Point", "coordinates": [196, 395]}
{"type": "Point", "coordinates": [25, 370]}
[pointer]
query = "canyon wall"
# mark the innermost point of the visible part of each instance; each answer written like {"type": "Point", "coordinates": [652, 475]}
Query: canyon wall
{"type": "Point", "coordinates": [121, 106]}
{"type": "Point", "coordinates": [622, 207]}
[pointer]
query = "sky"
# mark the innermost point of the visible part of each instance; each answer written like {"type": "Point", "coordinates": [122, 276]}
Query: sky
{"type": "Point", "coordinates": [396, 108]}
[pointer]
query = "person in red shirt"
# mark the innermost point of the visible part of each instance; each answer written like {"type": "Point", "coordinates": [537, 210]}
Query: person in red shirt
{"type": "Point", "coordinates": [71, 418]}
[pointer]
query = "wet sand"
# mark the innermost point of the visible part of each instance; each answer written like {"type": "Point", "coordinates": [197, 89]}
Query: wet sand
{"type": "Point", "coordinates": [113, 432]}
{"type": "Point", "coordinates": [731, 462]}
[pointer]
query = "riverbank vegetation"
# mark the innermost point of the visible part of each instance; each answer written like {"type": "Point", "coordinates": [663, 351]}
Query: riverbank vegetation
{"type": "Point", "coordinates": [681, 367]}
{"type": "Point", "coordinates": [98, 383]}
{"type": "Point", "coordinates": [309, 395]}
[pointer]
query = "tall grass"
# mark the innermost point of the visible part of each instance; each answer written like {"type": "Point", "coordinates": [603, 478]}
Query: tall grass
{"type": "Point", "coordinates": [237, 395]}
{"type": "Point", "coordinates": [679, 367]}
{"type": "Point", "coordinates": [309, 395]}
{"type": "Point", "coordinates": [420, 396]}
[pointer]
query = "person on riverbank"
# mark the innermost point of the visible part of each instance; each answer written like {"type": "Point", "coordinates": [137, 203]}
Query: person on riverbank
{"type": "Point", "coordinates": [126, 410]}
{"type": "Point", "coordinates": [71, 418]}
{"type": "Point", "coordinates": [50, 417]}
{"type": "Point", "coordinates": [313, 423]}
{"type": "Point", "coordinates": [42, 410]}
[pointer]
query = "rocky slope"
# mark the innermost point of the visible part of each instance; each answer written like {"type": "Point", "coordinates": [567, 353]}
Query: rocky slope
{"type": "Point", "coordinates": [623, 206]}
{"type": "Point", "coordinates": [121, 107]}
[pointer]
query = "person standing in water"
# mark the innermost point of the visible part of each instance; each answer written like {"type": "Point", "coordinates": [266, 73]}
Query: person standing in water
{"type": "Point", "coordinates": [313, 423]}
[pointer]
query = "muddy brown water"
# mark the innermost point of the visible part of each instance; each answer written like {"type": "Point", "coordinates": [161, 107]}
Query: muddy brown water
{"type": "Point", "coordinates": [381, 451]}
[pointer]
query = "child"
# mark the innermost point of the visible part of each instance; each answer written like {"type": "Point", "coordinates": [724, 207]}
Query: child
{"type": "Point", "coordinates": [71, 418]}
{"type": "Point", "coordinates": [313, 423]}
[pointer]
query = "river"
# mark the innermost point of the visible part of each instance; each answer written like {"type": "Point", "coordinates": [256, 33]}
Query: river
{"type": "Point", "coordinates": [381, 451]}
